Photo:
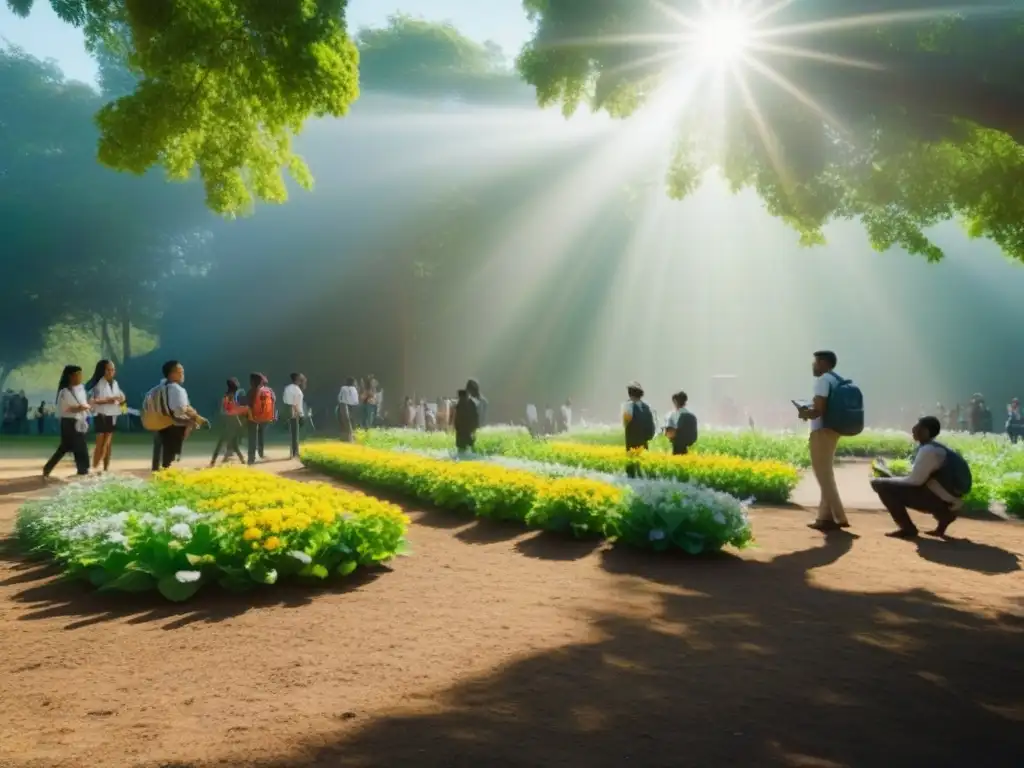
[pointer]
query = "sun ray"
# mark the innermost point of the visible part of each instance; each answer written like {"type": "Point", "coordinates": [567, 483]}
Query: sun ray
{"type": "Point", "coordinates": [790, 88]}
{"type": "Point", "coordinates": [807, 53]}
{"type": "Point", "coordinates": [888, 18]}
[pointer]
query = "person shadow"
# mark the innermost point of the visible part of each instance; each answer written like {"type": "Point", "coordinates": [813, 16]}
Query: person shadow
{"type": "Point", "coordinates": [968, 555]}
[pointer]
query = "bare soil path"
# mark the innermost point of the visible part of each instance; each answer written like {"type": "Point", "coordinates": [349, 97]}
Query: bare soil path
{"type": "Point", "coordinates": [491, 647]}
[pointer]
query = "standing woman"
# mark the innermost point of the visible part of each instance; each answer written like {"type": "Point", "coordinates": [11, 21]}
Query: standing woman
{"type": "Point", "coordinates": [348, 405]}
{"type": "Point", "coordinates": [72, 408]}
{"type": "Point", "coordinates": [106, 399]}
{"type": "Point", "coordinates": [1014, 421]}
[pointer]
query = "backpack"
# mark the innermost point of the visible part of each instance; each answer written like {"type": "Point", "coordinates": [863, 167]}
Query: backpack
{"type": "Point", "coordinates": [641, 429]}
{"type": "Point", "coordinates": [156, 414]}
{"type": "Point", "coordinates": [686, 430]}
{"type": "Point", "coordinates": [264, 406]}
{"type": "Point", "coordinates": [955, 473]}
{"type": "Point", "coordinates": [845, 410]}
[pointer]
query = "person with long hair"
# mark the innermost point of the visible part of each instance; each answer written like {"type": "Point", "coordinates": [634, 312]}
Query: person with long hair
{"type": "Point", "coordinates": [72, 407]}
{"type": "Point", "coordinates": [231, 411]}
{"type": "Point", "coordinates": [106, 400]}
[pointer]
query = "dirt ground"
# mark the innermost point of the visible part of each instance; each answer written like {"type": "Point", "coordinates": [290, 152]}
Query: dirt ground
{"type": "Point", "coordinates": [492, 648]}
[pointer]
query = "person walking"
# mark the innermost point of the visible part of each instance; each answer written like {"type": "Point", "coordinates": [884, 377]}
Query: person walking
{"type": "Point", "coordinates": [231, 411]}
{"type": "Point", "coordinates": [823, 443]}
{"type": "Point", "coordinates": [293, 398]}
{"type": "Point", "coordinates": [1014, 421]}
{"type": "Point", "coordinates": [106, 400]}
{"type": "Point", "coordinates": [681, 429]}
{"type": "Point", "coordinates": [72, 408]}
{"type": "Point", "coordinates": [167, 412]}
{"type": "Point", "coordinates": [637, 419]}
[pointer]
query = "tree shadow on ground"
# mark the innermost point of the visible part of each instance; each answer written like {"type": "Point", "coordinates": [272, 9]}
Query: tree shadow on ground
{"type": "Point", "coordinates": [484, 531]}
{"type": "Point", "coordinates": [557, 547]}
{"type": "Point", "coordinates": [742, 663]}
{"type": "Point", "coordinates": [53, 597]}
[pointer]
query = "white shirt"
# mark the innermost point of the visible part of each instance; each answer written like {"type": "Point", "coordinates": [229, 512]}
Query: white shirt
{"type": "Point", "coordinates": [348, 396]}
{"type": "Point", "coordinates": [177, 398]}
{"type": "Point", "coordinates": [72, 398]}
{"type": "Point", "coordinates": [102, 391]}
{"type": "Point", "coordinates": [567, 416]}
{"type": "Point", "coordinates": [293, 396]}
{"type": "Point", "coordinates": [822, 388]}
{"type": "Point", "coordinates": [531, 414]}
{"type": "Point", "coordinates": [549, 414]}
{"type": "Point", "coordinates": [929, 460]}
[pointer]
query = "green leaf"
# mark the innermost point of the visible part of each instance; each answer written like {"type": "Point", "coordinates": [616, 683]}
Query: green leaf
{"type": "Point", "coordinates": [176, 591]}
{"type": "Point", "coordinates": [260, 572]}
{"type": "Point", "coordinates": [98, 577]}
{"type": "Point", "coordinates": [347, 567]}
{"type": "Point", "coordinates": [131, 581]}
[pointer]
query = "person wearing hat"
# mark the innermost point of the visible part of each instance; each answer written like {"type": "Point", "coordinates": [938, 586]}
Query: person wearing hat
{"type": "Point", "coordinates": [637, 418]}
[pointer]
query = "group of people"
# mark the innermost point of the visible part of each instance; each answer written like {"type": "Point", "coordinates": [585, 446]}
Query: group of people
{"type": "Point", "coordinates": [938, 480]}
{"type": "Point", "coordinates": [14, 409]}
{"type": "Point", "coordinates": [555, 422]}
{"type": "Point", "coordinates": [977, 418]}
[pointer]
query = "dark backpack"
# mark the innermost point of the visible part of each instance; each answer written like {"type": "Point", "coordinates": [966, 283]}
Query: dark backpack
{"type": "Point", "coordinates": [641, 429]}
{"type": "Point", "coordinates": [686, 431]}
{"type": "Point", "coordinates": [845, 410]}
{"type": "Point", "coordinates": [955, 473]}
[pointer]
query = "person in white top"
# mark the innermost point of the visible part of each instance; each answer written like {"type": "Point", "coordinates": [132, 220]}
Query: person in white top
{"type": "Point", "coordinates": [73, 409]}
{"type": "Point", "coordinates": [348, 407]}
{"type": "Point", "coordinates": [106, 400]}
{"type": "Point", "coordinates": [566, 424]}
{"type": "Point", "coordinates": [294, 398]}
{"type": "Point", "coordinates": [823, 443]}
{"type": "Point", "coordinates": [531, 419]}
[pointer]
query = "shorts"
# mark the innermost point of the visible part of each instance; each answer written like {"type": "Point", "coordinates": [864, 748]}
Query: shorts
{"type": "Point", "coordinates": [104, 425]}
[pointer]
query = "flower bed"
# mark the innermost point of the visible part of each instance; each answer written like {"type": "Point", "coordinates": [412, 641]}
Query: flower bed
{"type": "Point", "coordinates": [762, 481]}
{"type": "Point", "coordinates": [649, 514]}
{"type": "Point", "coordinates": [181, 530]}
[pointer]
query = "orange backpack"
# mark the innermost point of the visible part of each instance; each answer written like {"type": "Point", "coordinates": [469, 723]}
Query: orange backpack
{"type": "Point", "coordinates": [264, 406]}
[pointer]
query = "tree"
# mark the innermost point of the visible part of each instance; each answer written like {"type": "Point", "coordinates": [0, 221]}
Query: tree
{"type": "Point", "coordinates": [886, 111]}
{"type": "Point", "coordinates": [424, 58]}
{"type": "Point", "coordinates": [222, 86]}
{"type": "Point", "coordinates": [80, 241]}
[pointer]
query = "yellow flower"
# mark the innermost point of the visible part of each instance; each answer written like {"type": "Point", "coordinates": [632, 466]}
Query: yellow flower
{"type": "Point", "coordinates": [272, 543]}
{"type": "Point", "coordinates": [251, 534]}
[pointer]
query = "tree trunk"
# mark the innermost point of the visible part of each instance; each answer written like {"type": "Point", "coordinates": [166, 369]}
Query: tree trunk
{"type": "Point", "coordinates": [108, 343]}
{"type": "Point", "coordinates": [5, 372]}
{"type": "Point", "coordinates": [126, 331]}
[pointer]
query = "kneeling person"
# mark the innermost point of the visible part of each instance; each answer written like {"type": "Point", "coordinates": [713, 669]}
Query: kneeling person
{"type": "Point", "coordinates": [937, 483]}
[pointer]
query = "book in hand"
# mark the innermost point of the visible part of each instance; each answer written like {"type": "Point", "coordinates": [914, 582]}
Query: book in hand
{"type": "Point", "coordinates": [880, 469]}
{"type": "Point", "coordinates": [800, 404]}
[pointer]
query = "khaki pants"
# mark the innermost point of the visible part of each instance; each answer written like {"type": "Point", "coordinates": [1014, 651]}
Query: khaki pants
{"type": "Point", "coordinates": [823, 443]}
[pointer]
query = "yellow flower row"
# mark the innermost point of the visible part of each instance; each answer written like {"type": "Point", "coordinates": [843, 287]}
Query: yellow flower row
{"type": "Point", "coordinates": [262, 506]}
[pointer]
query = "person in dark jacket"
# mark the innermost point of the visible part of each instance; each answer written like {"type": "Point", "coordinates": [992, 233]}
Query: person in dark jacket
{"type": "Point", "coordinates": [637, 418]}
{"type": "Point", "coordinates": [467, 421]}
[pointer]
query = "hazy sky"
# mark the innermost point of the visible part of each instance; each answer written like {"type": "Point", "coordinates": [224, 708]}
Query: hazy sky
{"type": "Point", "coordinates": [46, 36]}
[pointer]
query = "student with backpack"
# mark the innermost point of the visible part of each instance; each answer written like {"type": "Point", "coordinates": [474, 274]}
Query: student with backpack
{"type": "Point", "coordinates": [682, 426]}
{"type": "Point", "coordinates": [294, 398]}
{"type": "Point", "coordinates": [262, 411]}
{"type": "Point", "coordinates": [637, 418]}
{"type": "Point", "coordinates": [231, 411]}
{"type": "Point", "coordinates": [837, 410]}
{"type": "Point", "coordinates": [167, 413]}
{"type": "Point", "coordinates": [938, 481]}
{"type": "Point", "coordinates": [467, 422]}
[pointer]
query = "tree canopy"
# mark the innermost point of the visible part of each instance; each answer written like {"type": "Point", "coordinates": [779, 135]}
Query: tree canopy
{"type": "Point", "coordinates": [222, 86]}
{"type": "Point", "coordinates": [418, 57]}
{"type": "Point", "coordinates": [897, 113]}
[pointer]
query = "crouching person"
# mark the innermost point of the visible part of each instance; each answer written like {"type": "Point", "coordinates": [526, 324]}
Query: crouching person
{"type": "Point", "coordinates": [937, 483]}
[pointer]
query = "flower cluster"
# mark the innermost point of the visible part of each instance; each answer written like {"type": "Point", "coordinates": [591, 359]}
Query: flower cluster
{"type": "Point", "coordinates": [763, 481]}
{"type": "Point", "coordinates": [657, 514]}
{"type": "Point", "coordinates": [181, 530]}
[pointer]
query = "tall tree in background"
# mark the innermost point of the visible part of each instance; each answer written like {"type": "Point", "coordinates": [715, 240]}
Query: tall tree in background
{"type": "Point", "coordinates": [222, 86]}
{"type": "Point", "coordinates": [896, 113]}
{"type": "Point", "coordinates": [81, 242]}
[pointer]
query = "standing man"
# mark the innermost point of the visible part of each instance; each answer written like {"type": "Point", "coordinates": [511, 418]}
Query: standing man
{"type": "Point", "coordinates": [293, 397]}
{"type": "Point", "coordinates": [170, 415]}
{"type": "Point", "coordinates": [823, 443]}
{"type": "Point", "coordinates": [637, 418]}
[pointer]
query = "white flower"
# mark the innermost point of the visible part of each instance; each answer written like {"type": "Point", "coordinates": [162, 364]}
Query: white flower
{"type": "Point", "coordinates": [181, 531]}
{"type": "Point", "coordinates": [117, 538]}
{"type": "Point", "coordinates": [302, 557]}
{"type": "Point", "coordinates": [719, 517]}
{"type": "Point", "coordinates": [187, 577]}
